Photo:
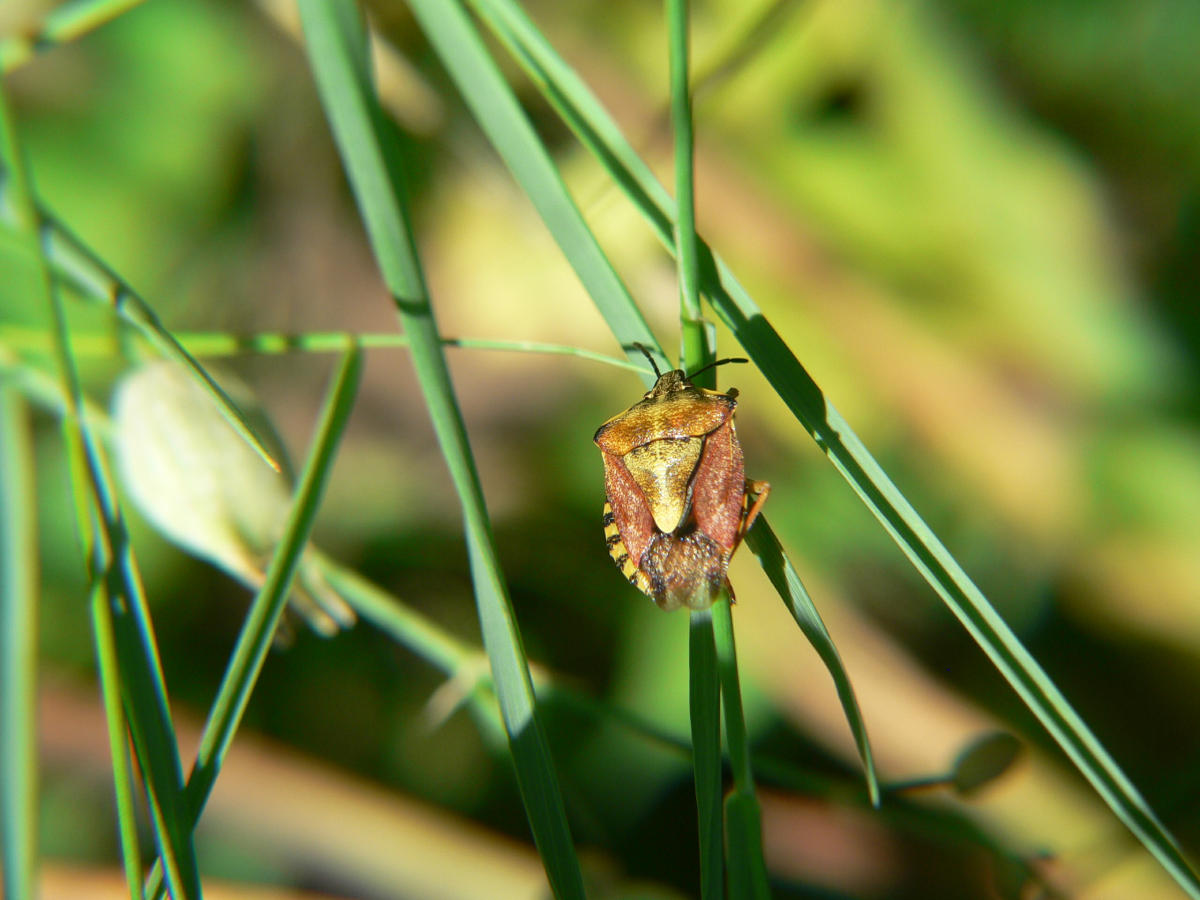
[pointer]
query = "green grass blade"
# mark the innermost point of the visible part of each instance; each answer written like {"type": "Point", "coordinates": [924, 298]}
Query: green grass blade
{"type": "Point", "coordinates": [743, 818]}
{"type": "Point", "coordinates": [705, 695]}
{"type": "Point", "coordinates": [63, 24]}
{"type": "Point", "coordinates": [762, 542]}
{"type": "Point", "coordinates": [336, 45]}
{"type": "Point", "coordinates": [272, 343]}
{"type": "Point", "coordinates": [18, 651]}
{"type": "Point", "coordinates": [595, 128]}
{"type": "Point", "coordinates": [103, 533]}
{"type": "Point", "coordinates": [114, 714]}
{"type": "Point", "coordinates": [685, 190]}
{"type": "Point", "coordinates": [262, 619]}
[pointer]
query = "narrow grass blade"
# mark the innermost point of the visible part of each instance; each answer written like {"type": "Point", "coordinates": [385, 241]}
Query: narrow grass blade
{"type": "Point", "coordinates": [762, 542]}
{"type": "Point", "coordinates": [705, 695]}
{"type": "Point", "coordinates": [337, 51]}
{"type": "Point", "coordinates": [262, 619]}
{"type": "Point", "coordinates": [18, 651]}
{"type": "Point", "coordinates": [63, 24]}
{"type": "Point", "coordinates": [118, 746]}
{"type": "Point", "coordinates": [685, 190]}
{"type": "Point", "coordinates": [743, 817]}
{"type": "Point", "coordinates": [272, 343]}
{"type": "Point", "coordinates": [595, 128]}
{"type": "Point", "coordinates": [103, 533]}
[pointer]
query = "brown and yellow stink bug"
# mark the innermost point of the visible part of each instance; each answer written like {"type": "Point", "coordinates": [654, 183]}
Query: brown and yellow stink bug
{"type": "Point", "coordinates": [679, 501]}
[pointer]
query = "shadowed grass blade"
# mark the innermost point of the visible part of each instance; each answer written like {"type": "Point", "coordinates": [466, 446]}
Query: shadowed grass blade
{"type": "Point", "coordinates": [18, 650]}
{"type": "Point", "coordinates": [743, 817]}
{"type": "Point", "coordinates": [705, 705]}
{"type": "Point", "coordinates": [337, 52]}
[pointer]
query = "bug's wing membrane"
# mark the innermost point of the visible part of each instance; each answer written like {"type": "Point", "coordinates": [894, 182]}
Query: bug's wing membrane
{"type": "Point", "coordinates": [630, 513]}
{"type": "Point", "coordinates": [718, 490]}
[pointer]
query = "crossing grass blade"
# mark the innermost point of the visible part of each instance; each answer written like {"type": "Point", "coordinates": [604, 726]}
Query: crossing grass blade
{"type": "Point", "coordinates": [336, 43]}
{"type": "Point", "coordinates": [18, 650]}
{"type": "Point", "coordinates": [262, 619]}
{"type": "Point", "coordinates": [110, 562]}
{"type": "Point", "coordinates": [597, 131]}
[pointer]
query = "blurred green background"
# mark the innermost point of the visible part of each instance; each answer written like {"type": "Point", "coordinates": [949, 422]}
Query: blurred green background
{"type": "Point", "coordinates": [977, 224]}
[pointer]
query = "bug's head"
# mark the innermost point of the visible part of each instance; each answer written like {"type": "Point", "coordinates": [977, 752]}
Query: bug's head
{"type": "Point", "coordinates": [676, 379]}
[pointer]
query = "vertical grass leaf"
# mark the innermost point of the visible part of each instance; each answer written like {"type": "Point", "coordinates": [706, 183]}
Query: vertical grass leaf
{"type": "Point", "coordinates": [336, 45]}
{"type": "Point", "coordinates": [18, 650]}
{"type": "Point", "coordinates": [743, 817]}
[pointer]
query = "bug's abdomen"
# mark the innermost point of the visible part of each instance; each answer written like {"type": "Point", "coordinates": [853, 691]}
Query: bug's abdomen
{"type": "Point", "coordinates": [620, 554]}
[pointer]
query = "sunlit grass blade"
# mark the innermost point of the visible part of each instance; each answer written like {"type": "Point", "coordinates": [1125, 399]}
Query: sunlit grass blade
{"type": "Point", "coordinates": [762, 542]}
{"type": "Point", "coordinates": [262, 619]}
{"type": "Point", "coordinates": [337, 51]}
{"type": "Point", "coordinates": [64, 23]}
{"type": "Point", "coordinates": [595, 128]}
{"type": "Point", "coordinates": [103, 534]}
{"type": "Point", "coordinates": [18, 650]}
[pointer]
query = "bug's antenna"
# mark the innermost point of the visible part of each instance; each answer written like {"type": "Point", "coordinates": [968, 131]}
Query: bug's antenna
{"type": "Point", "coordinates": [646, 353]}
{"type": "Point", "coordinates": [719, 362]}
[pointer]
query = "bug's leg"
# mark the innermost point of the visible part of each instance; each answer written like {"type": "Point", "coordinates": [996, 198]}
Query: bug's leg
{"type": "Point", "coordinates": [759, 491]}
{"type": "Point", "coordinates": [732, 595]}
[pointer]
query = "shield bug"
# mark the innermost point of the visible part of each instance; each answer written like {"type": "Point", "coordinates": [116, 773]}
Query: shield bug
{"type": "Point", "coordinates": [678, 500]}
